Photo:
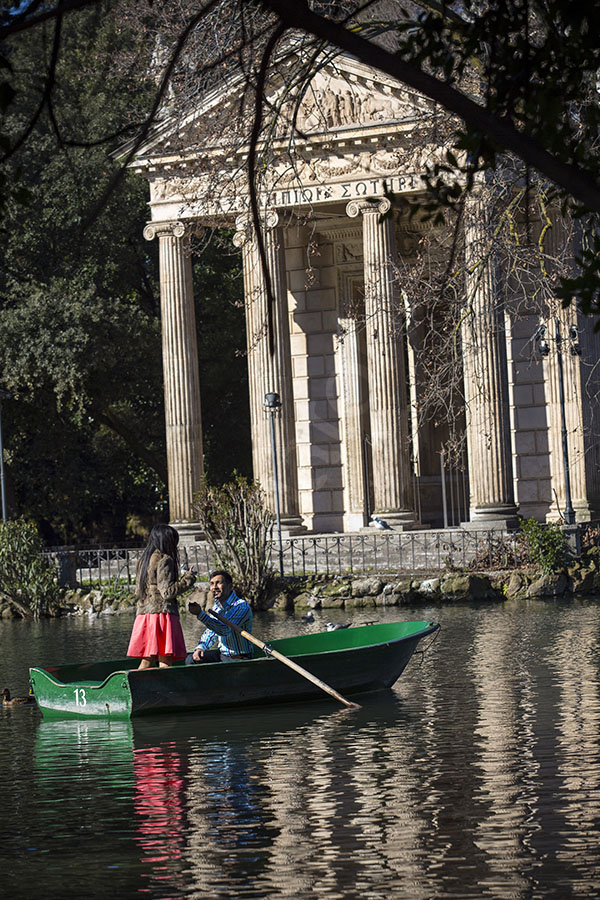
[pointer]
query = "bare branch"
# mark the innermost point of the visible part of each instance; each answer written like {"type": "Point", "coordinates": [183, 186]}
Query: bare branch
{"type": "Point", "coordinates": [499, 129]}
{"type": "Point", "coordinates": [158, 98]}
{"type": "Point", "coordinates": [254, 138]}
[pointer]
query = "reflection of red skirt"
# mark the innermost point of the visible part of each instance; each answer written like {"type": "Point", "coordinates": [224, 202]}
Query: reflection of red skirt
{"type": "Point", "coordinates": [157, 634]}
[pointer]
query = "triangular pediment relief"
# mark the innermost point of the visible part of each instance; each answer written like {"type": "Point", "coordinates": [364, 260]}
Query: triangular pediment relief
{"type": "Point", "coordinates": [344, 97]}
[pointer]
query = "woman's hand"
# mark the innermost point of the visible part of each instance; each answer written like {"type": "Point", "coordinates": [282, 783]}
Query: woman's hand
{"type": "Point", "coordinates": [189, 577]}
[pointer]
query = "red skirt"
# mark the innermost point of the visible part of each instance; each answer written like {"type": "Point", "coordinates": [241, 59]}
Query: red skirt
{"type": "Point", "coordinates": [157, 634]}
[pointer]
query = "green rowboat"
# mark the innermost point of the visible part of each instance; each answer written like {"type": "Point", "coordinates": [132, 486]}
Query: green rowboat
{"type": "Point", "coordinates": [352, 660]}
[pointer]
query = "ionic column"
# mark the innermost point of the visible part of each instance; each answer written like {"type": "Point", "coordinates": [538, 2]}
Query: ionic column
{"type": "Point", "coordinates": [386, 368]}
{"type": "Point", "coordinates": [270, 371]}
{"type": "Point", "coordinates": [580, 350]}
{"type": "Point", "coordinates": [352, 412]}
{"type": "Point", "coordinates": [180, 370]}
{"type": "Point", "coordinates": [486, 380]}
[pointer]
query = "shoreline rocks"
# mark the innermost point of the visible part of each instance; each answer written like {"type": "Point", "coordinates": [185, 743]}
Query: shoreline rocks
{"type": "Point", "coordinates": [347, 591]}
{"type": "Point", "coordinates": [333, 592]}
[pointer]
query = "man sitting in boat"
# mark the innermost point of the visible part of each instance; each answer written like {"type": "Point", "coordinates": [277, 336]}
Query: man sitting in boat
{"type": "Point", "coordinates": [220, 643]}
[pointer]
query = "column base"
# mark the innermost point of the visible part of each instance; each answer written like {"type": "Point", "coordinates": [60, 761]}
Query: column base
{"type": "Point", "coordinates": [290, 526]}
{"type": "Point", "coordinates": [584, 512]}
{"type": "Point", "coordinates": [486, 518]}
{"type": "Point", "coordinates": [189, 532]}
{"type": "Point", "coordinates": [397, 520]}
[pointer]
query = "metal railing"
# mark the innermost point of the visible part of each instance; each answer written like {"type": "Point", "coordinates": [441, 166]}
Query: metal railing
{"type": "Point", "coordinates": [364, 554]}
{"type": "Point", "coordinates": [92, 568]}
{"type": "Point", "coordinates": [325, 554]}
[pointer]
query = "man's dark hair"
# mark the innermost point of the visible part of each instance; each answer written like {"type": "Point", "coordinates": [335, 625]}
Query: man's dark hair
{"type": "Point", "coordinates": [222, 572]}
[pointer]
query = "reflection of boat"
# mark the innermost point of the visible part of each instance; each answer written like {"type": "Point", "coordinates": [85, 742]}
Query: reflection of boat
{"type": "Point", "coordinates": [351, 660]}
{"type": "Point", "coordinates": [99, 748]}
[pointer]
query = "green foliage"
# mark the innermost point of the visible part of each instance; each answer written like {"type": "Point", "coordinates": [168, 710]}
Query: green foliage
{"type": "Point", "coordinates": [28, 582]}
{"type": "Point", "coordinates": [80, 343]}
{"type": "Point", "coordinates": [115, 589]}
{"type": "Point", "coordinates": [80, 337]}
{"type": "Point", "coordinates": [547, 545]}
{"type": "Point", "coordinates": [219, 292]}
{"type": "Point", "coordinates": [238, 525]}
{"type": "Point", "coordinates": [533, 65]}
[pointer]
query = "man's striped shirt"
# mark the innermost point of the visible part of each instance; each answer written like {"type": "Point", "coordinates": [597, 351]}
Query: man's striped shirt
{"type": "Point", "coordinates": [228, 641]}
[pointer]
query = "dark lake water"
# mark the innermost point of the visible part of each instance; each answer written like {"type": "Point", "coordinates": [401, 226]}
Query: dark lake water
{"type": "Point", "coordinates": [478, 775]}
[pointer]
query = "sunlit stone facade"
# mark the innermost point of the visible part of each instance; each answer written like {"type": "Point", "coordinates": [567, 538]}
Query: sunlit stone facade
{"type": "Point", "coordinates": [341, 350]}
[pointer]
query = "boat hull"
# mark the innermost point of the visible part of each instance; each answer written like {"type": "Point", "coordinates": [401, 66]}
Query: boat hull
{"type": "Point", "coordinates": [356, 660]}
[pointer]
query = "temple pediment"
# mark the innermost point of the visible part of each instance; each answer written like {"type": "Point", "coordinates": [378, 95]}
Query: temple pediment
{"type": "Point", "coordinates": [351, 96]}
{"type": "Point", "coordinates": [343, 99]}
{"type": "Point", "coordinates": [348, 133]}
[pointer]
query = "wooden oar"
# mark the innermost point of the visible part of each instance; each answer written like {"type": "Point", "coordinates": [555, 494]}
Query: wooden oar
{"type": "Point", "coordinates": [270, 651]}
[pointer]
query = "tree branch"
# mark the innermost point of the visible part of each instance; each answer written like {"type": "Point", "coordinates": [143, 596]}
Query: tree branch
{"type": "Point", "coordinates": [499, 129]}
{"type": "Point", "coordinates": [254, 138]}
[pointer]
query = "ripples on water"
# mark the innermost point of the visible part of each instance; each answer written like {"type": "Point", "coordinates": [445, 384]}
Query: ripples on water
{"type": "Point", "coordinates": [478, 776]}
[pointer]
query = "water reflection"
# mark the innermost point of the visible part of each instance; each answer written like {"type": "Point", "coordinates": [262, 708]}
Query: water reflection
{"type": "Point", "coordinates": [91, 747]}
{"type": "Point", "coordinates": [573, 666]}
{"type": "Point", "coordinates": [537, 732]}
{"type": "Point", "coordinates": [477, 777]}
{"type": "Point", "coordinates": [158, 805]}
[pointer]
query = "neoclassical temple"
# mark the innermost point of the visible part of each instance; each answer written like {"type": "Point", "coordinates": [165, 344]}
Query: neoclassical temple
{"type": "Point", "coordinates": [337, 343]}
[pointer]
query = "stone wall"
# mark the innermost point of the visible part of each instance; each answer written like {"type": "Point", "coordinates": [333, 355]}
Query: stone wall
{"type": "Point", "coordinates": [313, 325]}
{"type": "Point", "coordinates": [529, 425]}
{"type": "Point", "coordinates": [345, 592]}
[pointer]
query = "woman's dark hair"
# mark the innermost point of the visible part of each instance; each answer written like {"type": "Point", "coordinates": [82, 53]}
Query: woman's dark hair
{"type": "Point", "coordinates": [163, 538]}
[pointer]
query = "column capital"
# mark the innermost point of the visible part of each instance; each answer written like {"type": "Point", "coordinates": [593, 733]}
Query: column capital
{"type": "Point", "coordinates": [243, 231]}
{"type": "Point", "coordinates": [174, 229]}
{"type": "Point", "coordinates": [378, 205]}
{"type": "Point", "coordinates": [244, 226]}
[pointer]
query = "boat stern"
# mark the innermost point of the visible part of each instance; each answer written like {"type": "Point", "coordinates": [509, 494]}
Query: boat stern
{"type": "Point", "coordinates": [109, 698]}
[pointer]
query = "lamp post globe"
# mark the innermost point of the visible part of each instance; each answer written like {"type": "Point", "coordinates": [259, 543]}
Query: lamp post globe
{"type": "Point", "coordinates": [272, 401]}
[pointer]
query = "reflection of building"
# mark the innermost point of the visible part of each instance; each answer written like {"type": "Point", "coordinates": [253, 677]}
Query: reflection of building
{"type": "Point", "coordinates": [342, 358]}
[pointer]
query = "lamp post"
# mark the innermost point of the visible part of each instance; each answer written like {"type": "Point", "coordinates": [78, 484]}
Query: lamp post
{"type": "Point", "coordinates": [4, 395]}
{"type": "Point", "coordinates": [544, 349]}
{"type": "Point", "coordinates": [272, 404]}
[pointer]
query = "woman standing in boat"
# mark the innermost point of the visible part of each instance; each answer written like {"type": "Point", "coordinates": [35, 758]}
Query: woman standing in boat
{"type": "Point", "coordinates": [157, 634]}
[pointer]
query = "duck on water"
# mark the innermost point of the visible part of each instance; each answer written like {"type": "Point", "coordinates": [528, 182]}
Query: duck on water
{"type": "Point", "coordinates": [7, 700]}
